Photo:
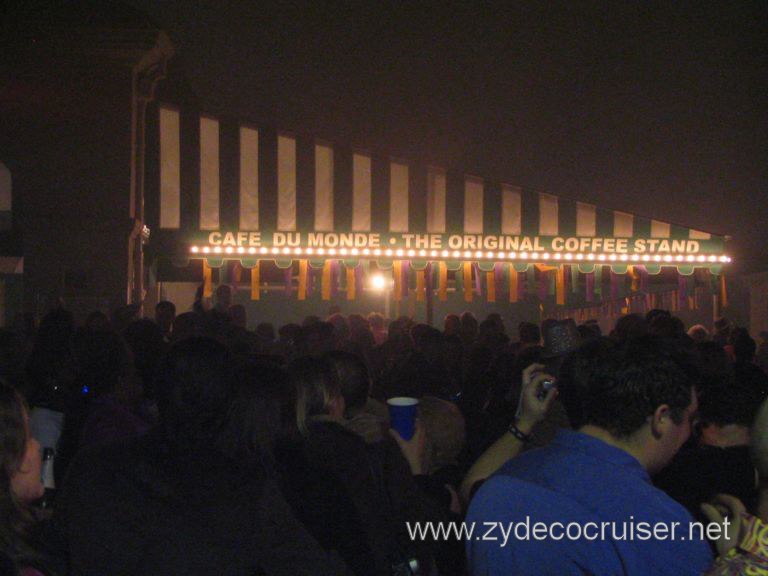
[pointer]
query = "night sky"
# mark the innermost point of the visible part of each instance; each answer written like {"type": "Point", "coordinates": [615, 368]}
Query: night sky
{"type": "Point", "coordinates": [656, 109]}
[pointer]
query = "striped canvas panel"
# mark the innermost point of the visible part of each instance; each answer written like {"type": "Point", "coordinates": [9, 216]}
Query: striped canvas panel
{"type": "Point", "coordinates": [436, 200]}
{"type": "Point", "coordinates": [170, 169]}
{"type": "Point", "coordinates": [286, 182]}
{"type": "Point", "coordinates": [209, 174]}
{"type": "Point", "coordinates": [361, 193]}
{"type": "Point", "coordinates": [511, 210]}
{"type": "Point", "coordinates": [249, 179]}
{"type": "Point", "coordinates": [698, 235]}
{"type": "Point", "coordinates": [586, 219]}
{"type": "Point", "coordinates": [660, 229]}
{"type": "Point", "coordinates": [623, 225]}
{"type": "Point", "coordinates": [398, 197]}
{"type": "Point", "coordinates": [473, 205]}
{"type": "Point", "coordinates": [323, 188]}
{"type": "Point", "coordinates": [548, 215]}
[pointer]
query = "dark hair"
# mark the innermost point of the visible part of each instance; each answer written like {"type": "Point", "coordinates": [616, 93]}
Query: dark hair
{"type": "Point", "coordinates": [744, 347]}
{"type": "Point", "coordinates": [195, 389]}
{"type": "Point", "coordinates": [626, 386]}
{"type": "Point", "coordinates": [734, 403]}
{"type": "Point", "coordinates": [101, 359]}
{"type": "Point", "coordinates": [262, 412]}
{"type": "Point", "coordinates": [353, 378]}
{"type": "Point", "coordinates": [15, 519]}
{"type": "Point", "coordinates": [529, 333]}
{"type": "Point", "coordinates": [166, 305]}
{"type": "Point", "coordinates": [316, 384]}
{"type": "Point", "coordinates": [575, 372]}
{"type": "Point", "coordinates": [629, 327]}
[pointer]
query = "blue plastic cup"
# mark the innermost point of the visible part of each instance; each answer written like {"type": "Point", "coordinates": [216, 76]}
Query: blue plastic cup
{"type": "Point", "coordinates": [402, 415]}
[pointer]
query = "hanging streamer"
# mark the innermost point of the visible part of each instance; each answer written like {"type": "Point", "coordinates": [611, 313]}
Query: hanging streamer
{"type": "Point", "coordinates": [589, 294]}
{"type": "Point", "coordinates": [598, 281]}
{"type": "Point", "coordinates": [325, 289]}
{"type": "Point", "coordinates": [543, 286]}
{"type": "Point", "coordinates": [513, 284]}
{"type": "Point", "coordinates": [237, 273]}
{"type": "Point", "coordinates": [635, 275]}
{"type": "Point", "coordinates": [405, 283]}
{"type": "Point", "coordinates": [682, 291]}
{"type": "Point", "coordinates": [256, 281]}
{"type": "Point", "coordinates": [335, 277]}
{"type": "Point", "coordinates": [420, 281]}
{"type": "Point", "coordinates": [361, 271]}
{"type": "Point", "coordinates": [614, 286]}
{"type": "Point", "coordinates": [288, 279]}
{"type": "Point", "coordinates": [207, 280]}
{"type": "Point", "coordinates": [478, 279]}
{"type": "Point", "coordinates": [442, 282]}
{"type": "Point", "coordinates": [428, 282]}
{"type": "Point", "coordinates": [498, 278]}
{"type": "Point", "coordinates": [351, 287]}
{"type": "Point", "coordinates": [302, 289]}
{"type": "Point", "coordinates": [468, 288]}
{"type": "Point", "coordinates": [574, 279]}
{"type": "Point", "coordinates": [723, 291]}
{"type": "Point", "coordinates": [560, 286]}
{"type": "Point", "coordinates": [397, 268]}
{"type": "Point", "coordinates": [490, 288]}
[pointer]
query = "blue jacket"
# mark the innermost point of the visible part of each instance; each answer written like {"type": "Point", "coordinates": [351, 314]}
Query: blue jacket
{"type": "Point", "coordinates": [602, 489]}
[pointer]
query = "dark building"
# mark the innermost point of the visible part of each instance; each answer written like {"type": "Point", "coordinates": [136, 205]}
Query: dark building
{"type": "Point", "coordinates": [76, 82]}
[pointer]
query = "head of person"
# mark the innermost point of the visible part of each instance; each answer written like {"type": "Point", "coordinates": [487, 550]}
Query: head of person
{"type": "Point", "coordinates": [186, 325]}
{"type": "Point", "coordinates": [340, 327]}
{"type": "Point", "coordinates": [723, 327]}
{"type": "Point", "coordinates": [376, 321]}
{"type": "Point", "coordinates": [352, 375]}
{"type": "Point", "coordinates": [496, 319]}
{"type": "Point", "coordinates": [575, 370]}
{"type": "Point", "coordinates": [223, 297]}
{"type": "Point", "coordinates": [19, 477]}
{"type": "Point", "coordinates": [529, 334]}
{"type": "Point", "coordinates": [629, 327]}
{"type": "Point", "coordinates": [97, 320]}
{"type": "Point", "coordinates": [643, 397]}
{"type": "Point", "coordinates": [238, 315]}
{"type": "Point", "coordinates": [744, 347]}
{"type": "Point", "coordinates": [358, 323]}
{"type": "Point", "coordinates": [698, 333]}
{"type": "Point", "coordinates": [667, 326]}
{"type": "Point", "coordinates": [714, 366]}
{"type": "Point", "coordinates": [318, 338]}
{"type": "Point", "coordinates": [145, 340]}
{"type": "Point", "coordinates": [469, 326]}
{"type": "Point", "coordinates": [165, 314]}
{"type": "Point", "coordinates": [725, 408]}
{"type": "Point", "coordinates": [262, 412]}
{"type": "Point", "coordinates": [318, 391]}
{"type": "Point", "coordinates": [195, 389]}
{"type": "Point", "coordinates": [104, 365]}
{"type": "Point", "coordinates": [452, 325]}
{"type": "Point", "coordinates": [445, 431]}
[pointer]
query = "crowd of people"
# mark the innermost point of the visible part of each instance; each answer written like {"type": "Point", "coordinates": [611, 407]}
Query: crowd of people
{"type": "Point", "coordinates": [191, 444]}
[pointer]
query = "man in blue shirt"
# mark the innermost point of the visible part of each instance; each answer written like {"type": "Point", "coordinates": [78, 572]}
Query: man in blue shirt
{"type": "Point", "coordinates": [585, 504]}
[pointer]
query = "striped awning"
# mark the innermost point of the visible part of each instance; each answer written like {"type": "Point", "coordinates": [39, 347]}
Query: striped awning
{"type": "Point", "coordinates": [230, 189]}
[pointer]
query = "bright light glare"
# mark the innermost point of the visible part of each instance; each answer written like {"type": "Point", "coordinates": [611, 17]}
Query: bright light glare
{"type": "Point", "coordinates": [378, 282]}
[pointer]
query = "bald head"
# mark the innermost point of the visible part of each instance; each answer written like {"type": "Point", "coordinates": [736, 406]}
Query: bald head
{"type": "Point", "coordinates": [760, 442]}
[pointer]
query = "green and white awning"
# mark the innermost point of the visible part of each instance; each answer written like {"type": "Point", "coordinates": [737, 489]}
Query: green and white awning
{"type": "Point", "coordinates": [232, 190]}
